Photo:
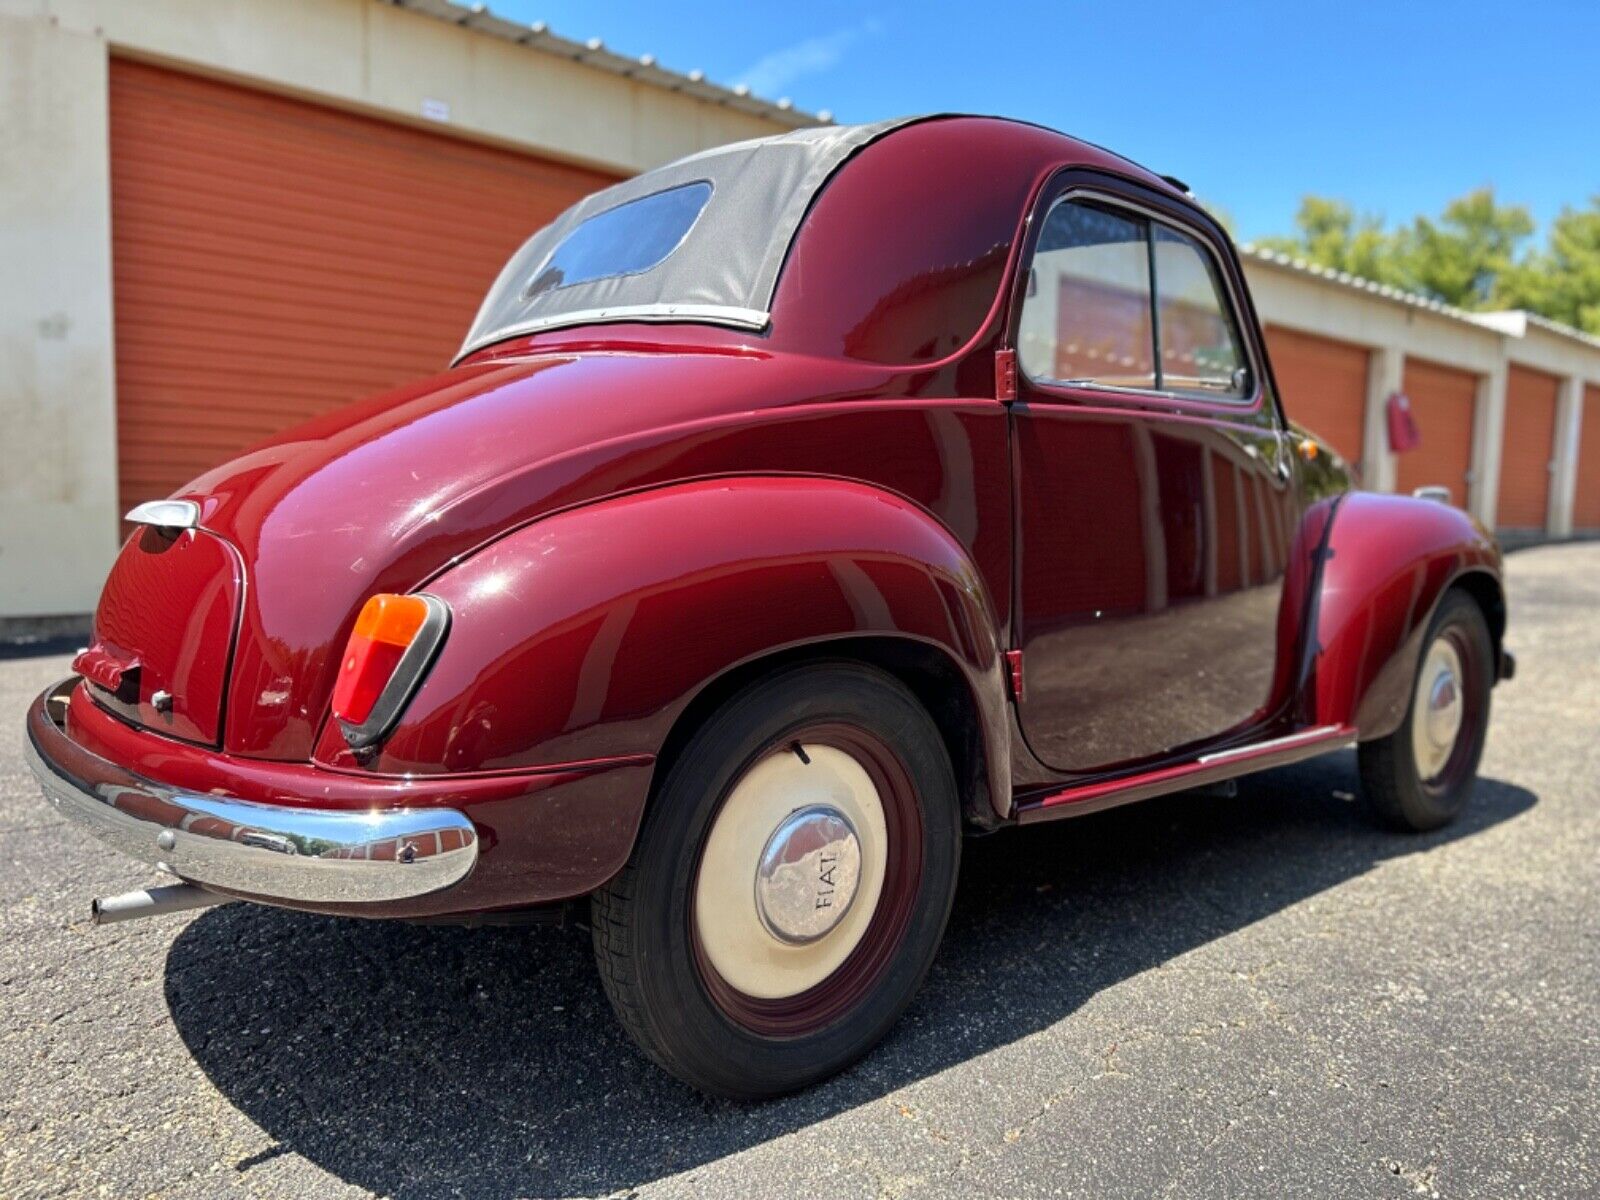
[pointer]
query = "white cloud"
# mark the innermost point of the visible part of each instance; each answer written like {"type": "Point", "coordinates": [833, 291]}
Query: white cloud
{"type": "Point", "coordinates": [776, 71]}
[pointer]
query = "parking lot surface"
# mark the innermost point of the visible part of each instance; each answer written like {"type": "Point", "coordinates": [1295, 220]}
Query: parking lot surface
{"type": "Point", "coordinates": [1262, 995]}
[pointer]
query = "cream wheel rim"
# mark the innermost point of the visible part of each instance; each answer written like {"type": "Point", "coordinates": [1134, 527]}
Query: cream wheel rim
{"type": "Point", "coordinates": [792, 871]}
{"type": "Point", "coordinates": [1437, 709]}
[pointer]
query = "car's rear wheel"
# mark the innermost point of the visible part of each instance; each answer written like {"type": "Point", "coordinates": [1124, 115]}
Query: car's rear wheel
{"type": "Point", "coordinates": [790, 885]}
{"type": "Point", "coordinates": [1421, 776]}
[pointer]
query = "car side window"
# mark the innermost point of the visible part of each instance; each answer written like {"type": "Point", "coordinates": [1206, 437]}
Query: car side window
{"type": "Point", "coordinates": [1115, 299]}
{"type": "Point", "coordinates": [1087, 314]}
{"type": "Point", "coordinates": [1199, 338]}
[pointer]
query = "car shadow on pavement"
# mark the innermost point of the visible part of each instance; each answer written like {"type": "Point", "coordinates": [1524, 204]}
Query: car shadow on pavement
{"type": "Point", "coordinates": [421, 1061]}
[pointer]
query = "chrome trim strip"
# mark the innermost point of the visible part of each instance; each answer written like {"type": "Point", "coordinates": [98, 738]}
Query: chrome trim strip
{"type": "Point", "coordinates": [1306, 737]}
{"type": "Point", "coordinates": [267, 852]}
{"type": "Point", "coordinates": [709, 314]}
{"type": "Point", "coordinates": [165, 514]}
{"type": "Point", "coordinates": [1212, 768]}
{"type": "Point", "coordinates": [407, 677]}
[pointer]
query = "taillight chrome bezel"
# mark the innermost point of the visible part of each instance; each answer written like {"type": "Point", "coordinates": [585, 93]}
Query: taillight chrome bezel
{"type": "Point", "coordinates": [408, 675]}
{"type": "Point", "coordinates": [174, 515]}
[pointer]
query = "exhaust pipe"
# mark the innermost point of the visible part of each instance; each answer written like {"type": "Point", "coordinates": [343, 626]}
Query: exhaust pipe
{"type": "Point", "coordinates": [152, 902]}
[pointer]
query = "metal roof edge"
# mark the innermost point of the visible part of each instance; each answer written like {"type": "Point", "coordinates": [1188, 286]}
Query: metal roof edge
{"type": "Point", "coordinates": [645, 69]}
{"type": "Point", "coordinates": [1509, 323]}
{"type": "Point", "coordinates": [1550, 326]}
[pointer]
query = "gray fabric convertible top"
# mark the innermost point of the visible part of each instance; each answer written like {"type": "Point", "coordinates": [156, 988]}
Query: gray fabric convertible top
{"type": "Point", "coordinates": [722, 270]}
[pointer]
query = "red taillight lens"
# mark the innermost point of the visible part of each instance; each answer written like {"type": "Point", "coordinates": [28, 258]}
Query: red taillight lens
{"type": "Point", "coordinates": [385, 629]}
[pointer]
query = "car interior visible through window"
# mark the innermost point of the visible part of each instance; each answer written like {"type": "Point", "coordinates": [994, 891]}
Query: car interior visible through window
{"type": "Point", "coordinates": [1198, 336]}
{"type": "Point", "coordinates": [1088, 317]}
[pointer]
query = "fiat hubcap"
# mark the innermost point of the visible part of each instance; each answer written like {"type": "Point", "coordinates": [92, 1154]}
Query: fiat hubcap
{"type": "Point", "coordinates": [1438, 709]}
{"type": "Point", "coordinates": [792, 871]}
{"type": "Point", "coordinates": [808, 875]}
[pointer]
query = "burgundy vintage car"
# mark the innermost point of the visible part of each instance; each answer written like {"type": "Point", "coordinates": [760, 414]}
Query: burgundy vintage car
{"type": "Point", "coordinates": [791, 511]}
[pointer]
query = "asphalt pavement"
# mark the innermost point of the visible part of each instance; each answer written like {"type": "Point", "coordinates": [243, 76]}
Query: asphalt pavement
{"type": "Point", "coordinates": [1261, 996]}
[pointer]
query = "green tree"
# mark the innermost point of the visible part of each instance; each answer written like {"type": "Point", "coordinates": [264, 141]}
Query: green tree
{"type": "Point", "coordinates": [1472, 256]}
{"type": "Point", "coordinates": [1330, 234]}
{"type": "Point", "coordinates": [1561, 282]}
{"type": "Point", "coordinates": [1462, 257]}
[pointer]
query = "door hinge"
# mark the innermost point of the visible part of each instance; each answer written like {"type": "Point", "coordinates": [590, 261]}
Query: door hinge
{"type": "Point", "coordinates": [1005, 375]}
{"type": "Point", "coordinates": [1014, 673]}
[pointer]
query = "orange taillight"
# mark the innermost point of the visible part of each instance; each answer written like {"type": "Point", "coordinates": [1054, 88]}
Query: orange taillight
{"type": "Point", "coordinates": [387, 617]}
{"type": "Point", "coordinates": [386, 627]}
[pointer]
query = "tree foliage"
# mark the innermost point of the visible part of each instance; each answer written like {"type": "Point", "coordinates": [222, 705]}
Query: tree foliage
{"type": "Point", "coordinates": [1475, 255]}
{"type": "Point", "coordinates": [1562, 281]}
{"type": "Point", "coordinates": [1330, 234]}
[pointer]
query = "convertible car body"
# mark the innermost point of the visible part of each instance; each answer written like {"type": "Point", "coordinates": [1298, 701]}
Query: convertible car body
{"type": "Point", "coordinates": [791, 511]}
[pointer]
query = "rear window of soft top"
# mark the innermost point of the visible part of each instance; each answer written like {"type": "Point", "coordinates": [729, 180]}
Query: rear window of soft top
{"type": "Point", "coordinates": [626, 240]}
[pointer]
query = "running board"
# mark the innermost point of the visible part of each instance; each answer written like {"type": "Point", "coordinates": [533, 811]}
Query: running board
{"type": "Point", "coordinates": [1208, 768]}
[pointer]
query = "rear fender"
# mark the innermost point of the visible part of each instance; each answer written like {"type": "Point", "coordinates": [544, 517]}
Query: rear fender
{"type": "Point", "coordinates": [584, 635]}
{"type": "Point", "coordinates": [1388, 561]}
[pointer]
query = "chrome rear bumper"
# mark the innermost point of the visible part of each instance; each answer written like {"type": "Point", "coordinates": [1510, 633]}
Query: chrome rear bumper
{"type": "Point", "coordinates": [267, 852]}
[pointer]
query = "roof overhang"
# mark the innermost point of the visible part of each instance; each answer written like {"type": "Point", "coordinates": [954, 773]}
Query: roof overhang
{"type": "Point", "coordinates": [594, 53]}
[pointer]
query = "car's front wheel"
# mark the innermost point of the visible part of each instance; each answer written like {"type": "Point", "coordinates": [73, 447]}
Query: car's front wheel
{"type": "Point", "coordinates": [790, 885]}
{"type": "Point", "coordinates": [1421, 776]}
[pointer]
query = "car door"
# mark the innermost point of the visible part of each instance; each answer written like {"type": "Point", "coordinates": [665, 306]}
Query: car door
{"type": "Point", "coordinates": [1155, 501]}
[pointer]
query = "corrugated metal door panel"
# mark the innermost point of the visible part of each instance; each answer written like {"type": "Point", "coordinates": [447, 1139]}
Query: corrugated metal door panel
{"type": "Point", "coordinates": [274, 259]}
{"type": "Point", "coordinates": [1324, 384]}
{"type": "Point", "coordinates": [1442, 400]}
{"type": "Point", "coordinates": [1525, 451]}
{"type": "Point", "coordinates": [1586, 502]}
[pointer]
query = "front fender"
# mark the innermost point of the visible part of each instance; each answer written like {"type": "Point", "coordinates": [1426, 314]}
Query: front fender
{"type": "Point", "coordinates": [1388, 561]}
{"type": "Point", "coordinates": [583, 635]}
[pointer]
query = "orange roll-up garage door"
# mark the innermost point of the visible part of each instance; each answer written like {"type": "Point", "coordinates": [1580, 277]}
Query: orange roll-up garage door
{"type": "Point", "coordinates": [1324, 385]}
{"type": "Point", "coordinates": [1586, 503]}
{"type": "Point", "coordinates": [273, 259]}
{"type": "Point", "coordinates": [1527, 448]}
{"type": "Point", "coordinates": [1442, 400]}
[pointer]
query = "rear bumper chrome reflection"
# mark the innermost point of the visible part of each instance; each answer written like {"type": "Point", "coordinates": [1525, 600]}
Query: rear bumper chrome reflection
{"type": "Point", "coordinates": [268, 852]}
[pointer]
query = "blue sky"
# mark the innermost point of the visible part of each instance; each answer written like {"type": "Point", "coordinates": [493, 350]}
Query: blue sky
{"type": "Point", "coordinates": [1394, 106]}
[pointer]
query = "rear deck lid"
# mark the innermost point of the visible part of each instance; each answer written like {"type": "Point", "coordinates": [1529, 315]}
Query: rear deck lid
{"type": "Point", "coordinates": [164, 631]}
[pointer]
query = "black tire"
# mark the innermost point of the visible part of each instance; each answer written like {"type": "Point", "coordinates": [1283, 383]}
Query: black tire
{"type": "Point", "coordinates": [665, 993]}
{"type": "Point", "coordinates": [1390, 776]}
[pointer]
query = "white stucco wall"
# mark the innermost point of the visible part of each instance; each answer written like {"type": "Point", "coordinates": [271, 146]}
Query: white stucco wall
{"type": "Point", "coordinates": [58, 460]}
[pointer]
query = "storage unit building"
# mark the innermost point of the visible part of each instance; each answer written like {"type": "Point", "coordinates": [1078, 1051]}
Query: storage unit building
{"type": "Point", "coordinates": [1442, 400]}
{"type": "Point", "coordinates": [1586, 501]}
{"type": "Point", "coordinates": [1328, 380]}
{"type": "Point", "coordinates": [234, 217]}
{"type": "Point", "coordinates": [273, 259]}
{"type": "Point", "coordinates": [1529, 437]}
